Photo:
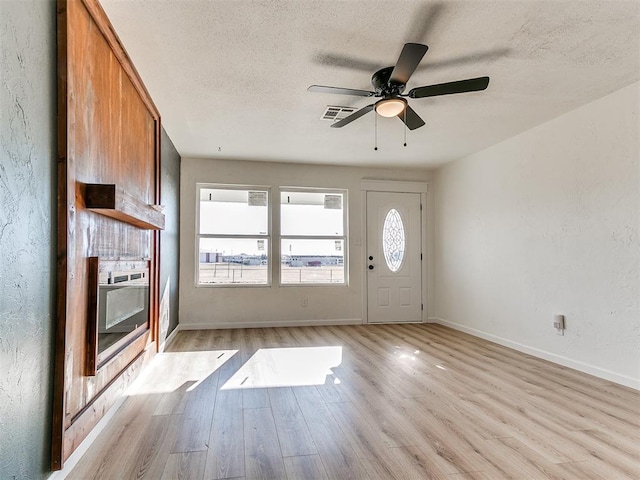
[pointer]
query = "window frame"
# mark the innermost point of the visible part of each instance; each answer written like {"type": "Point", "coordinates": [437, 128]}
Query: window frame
{"type": "Point", "coordinates": [344, 237]}
{"type": "Point", "coordinates": [268, 236]}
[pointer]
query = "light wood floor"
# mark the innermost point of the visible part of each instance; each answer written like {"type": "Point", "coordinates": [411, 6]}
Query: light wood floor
{"type": "Point", "coordinates": [364, 402]}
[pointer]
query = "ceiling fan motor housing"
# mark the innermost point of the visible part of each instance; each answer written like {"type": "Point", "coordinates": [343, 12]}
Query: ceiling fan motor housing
{"type": "Point", "coordinates": [380, 82]}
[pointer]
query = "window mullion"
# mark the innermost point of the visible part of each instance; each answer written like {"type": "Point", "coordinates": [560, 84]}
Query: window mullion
{"type": "Point", "coordinates": [313, 237]}
{"type": "Point", "coordinates": [219, 235]}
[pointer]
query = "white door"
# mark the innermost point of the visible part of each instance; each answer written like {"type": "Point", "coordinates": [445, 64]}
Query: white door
{"type": "Point", "coordinates": [394, 264]}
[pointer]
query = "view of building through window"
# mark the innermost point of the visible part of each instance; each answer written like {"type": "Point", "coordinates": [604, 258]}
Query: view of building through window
{"type": "Point", "coordinates": [312, 240]}
{"type": "Point", "coordinates": [234, 238]}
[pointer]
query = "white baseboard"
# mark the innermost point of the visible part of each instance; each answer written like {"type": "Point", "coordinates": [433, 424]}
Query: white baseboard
{"type": "Point", "coordinates": [170, 338]}
{"type": "Point", "coordinates": [545, 355]}
{"type": "Point", "coordinates": [282, 323]}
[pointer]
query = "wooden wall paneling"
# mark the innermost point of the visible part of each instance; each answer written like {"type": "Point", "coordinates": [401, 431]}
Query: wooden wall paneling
{"type": "Point", "coordinates": [97, 385]}
{"type": "Point", "coordinates": [108, 132]}
{"type": "Point", "coordinates": [100, 159]}
{"type": "Point", "coordinates": [79, 52]}
{"type": "Point", "coordinates": [84, 145]}
{"type": "Point", "coordinates": [88, 418]}
{"type": "Point", "coordinates": [137, 142]}
{"type": "Point", "coordinates": [102, 22]}
{"type": "Point", "coordinates": [57, 421]}
{"type": "Point", "coordinates": [76, 52]}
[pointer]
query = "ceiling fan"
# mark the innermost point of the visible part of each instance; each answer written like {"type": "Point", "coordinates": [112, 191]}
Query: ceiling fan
{"type": "Point", "coordinates": [389, 84]}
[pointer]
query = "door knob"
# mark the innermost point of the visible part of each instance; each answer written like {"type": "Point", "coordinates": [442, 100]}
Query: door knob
{"type": "Point", "coordinates": [370, 267]}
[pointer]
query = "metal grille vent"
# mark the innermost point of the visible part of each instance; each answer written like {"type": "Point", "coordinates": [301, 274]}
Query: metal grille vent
{"type": "Point", "coordinates": [337, 113]}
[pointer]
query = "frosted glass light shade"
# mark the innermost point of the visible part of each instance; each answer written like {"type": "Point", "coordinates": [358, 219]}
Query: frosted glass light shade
{"type": "Point", "coordinates": [390, 107]}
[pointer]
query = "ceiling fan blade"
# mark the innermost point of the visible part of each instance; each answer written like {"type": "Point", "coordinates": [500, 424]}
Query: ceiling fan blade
{"type": "Point", "coordinates": [461, 86]}
{"type": "Point", "coordinates": [353, 116]}
{"type": "Point", "coordinates": [410, 118]}
{"type": "Point", "coordinates": [409, 59]}
{"type": "Point", "coordinates": [340, 91]}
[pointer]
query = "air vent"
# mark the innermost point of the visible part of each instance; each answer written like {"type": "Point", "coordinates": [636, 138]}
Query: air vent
{"type": "Point", "coordinates": [337, 113]}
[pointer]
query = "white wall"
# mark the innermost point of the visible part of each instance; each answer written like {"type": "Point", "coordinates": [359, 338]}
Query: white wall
{"type": "Point", "coordinates": [216, 307]}
{"type": "Point", "coordinates": [548, 223]}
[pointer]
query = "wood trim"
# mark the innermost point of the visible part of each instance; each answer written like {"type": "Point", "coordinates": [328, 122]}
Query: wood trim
{"type": "Point", "coordinates": [58, 407]}
{"type": "Point", "coordinates": [155, 266]}
{"type": "Point", "coordinates": [104, 358]}
{"type": "Point", "coordinates": [91, 354]}
{"type": "Point", "coordinates": [394, 186]}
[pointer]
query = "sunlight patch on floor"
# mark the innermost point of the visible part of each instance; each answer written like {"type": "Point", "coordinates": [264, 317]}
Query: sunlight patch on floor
{"type": "Point", "coordinates": [404, 354]}
{"type": "Point", "coordinates": [175, 369]}
{"type": "Point", "coordinates": [286, 367]}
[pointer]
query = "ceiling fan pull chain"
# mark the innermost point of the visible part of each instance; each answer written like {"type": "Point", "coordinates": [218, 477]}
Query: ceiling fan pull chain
{"type": "Point", "coordinates": [375, 129]}
{"type": "Point", "coordinates": [405, 126]}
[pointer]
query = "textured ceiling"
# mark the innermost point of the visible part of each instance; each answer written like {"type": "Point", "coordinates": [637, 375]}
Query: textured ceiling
{"type": "Point", "coordinates": [230, 77]}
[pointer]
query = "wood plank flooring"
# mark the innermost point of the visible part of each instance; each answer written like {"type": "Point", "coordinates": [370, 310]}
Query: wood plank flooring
{"type": "Point", "coordinates": [364, 402]}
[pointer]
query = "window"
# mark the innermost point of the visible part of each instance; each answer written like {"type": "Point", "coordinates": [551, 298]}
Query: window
{"type": "Point", "coordinates": [233, 235]}
{"type": "Point", "coordinates": [312, 237]}
{"type": "Point", "coordinates": [393, 240]}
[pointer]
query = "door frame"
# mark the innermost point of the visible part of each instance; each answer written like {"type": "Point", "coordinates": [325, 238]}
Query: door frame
{"type": "Point", "coordinates": [367, 186]}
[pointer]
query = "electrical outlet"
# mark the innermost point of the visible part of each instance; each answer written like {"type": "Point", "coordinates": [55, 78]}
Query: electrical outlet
{"type": "Point", "coordinates": [558, 324]}
{"type": "Point", "coordinates": [305, 301]}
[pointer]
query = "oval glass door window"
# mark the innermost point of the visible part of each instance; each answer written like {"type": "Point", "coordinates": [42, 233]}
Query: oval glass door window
{"type": "Point", "coordinates": [393, 240]}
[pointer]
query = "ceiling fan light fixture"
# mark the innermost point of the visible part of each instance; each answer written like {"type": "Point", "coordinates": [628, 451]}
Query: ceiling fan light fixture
{"type": "Point", "coordinates": [391, 107]}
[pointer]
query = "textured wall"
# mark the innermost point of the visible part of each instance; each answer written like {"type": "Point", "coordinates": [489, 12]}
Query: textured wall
{"type": "Point", "coordinates": [169, 237]}
{"type": "Point", "coordinates": [547, 223]}
{"type": "Point", "coordinates": [27, 162]}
